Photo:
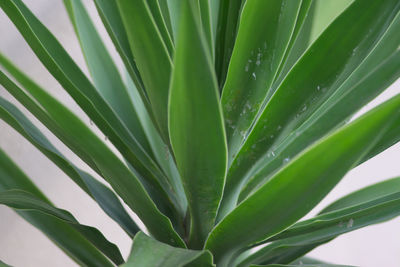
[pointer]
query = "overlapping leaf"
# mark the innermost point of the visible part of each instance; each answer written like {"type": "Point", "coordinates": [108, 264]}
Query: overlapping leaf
{"type": "Point", "coordinates": [100, 193]}
{"type": "Point", "coordinates": [148, 252]}
{"type": "Point", "coordinates": [22, 200]}
{"type": "Point", "coordinates": [333, 113]}
{"type": "Point", "coordinates": [63, 68]}
{"type": "Point", "coordinates": [109, 14]}
{"type": "Point", "coordinates": [78, 245]}
{"type": "Point", "coordinates": [226, 31]}
{"type": "Point", "coordinates": [325, 66]}
{"type": "Point", "coordinates": [290, 189]}
{"type": "Point", "coordinates": [196, 125]}
{"type": "Point", "coordinates": [106, 78]}
{"type": "Point", "coordinates": [97, 155]}
{"type": "Point", "coordinates": [151, 55]}
{"type": "Point", "coordinates": [374, 204]}
{"type": "Point", "coordinates": [254, 63]}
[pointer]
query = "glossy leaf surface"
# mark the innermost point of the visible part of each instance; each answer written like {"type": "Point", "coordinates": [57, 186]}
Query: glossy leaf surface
{"type": "Point", "coordinates": [201, 160]}
{"type": "Point", "coordinates": [22, 200]}
{"type": "Point", "coordinates": [78, 247]}
{"type": "Point", "coordinates": [151, 55]}
{"type": "Point", "coordinates": [285, 191]}
{"type": "Point", "coordinates": [148, 252]}
{"type": "Point", "coordinates": [254, 63]}
{"type": "Point", "coordinates": [97, 155]}
{"type": "Point", "coordinates": [63, 68]}
{"type": "Point", "coordinates": [313, 79]}
{"type": "Point", "coordinates": [107, 200]}
{"type": "Point", "coordinates": [106, 77]}
{"type": "Point", "coordinates": [374, 204]}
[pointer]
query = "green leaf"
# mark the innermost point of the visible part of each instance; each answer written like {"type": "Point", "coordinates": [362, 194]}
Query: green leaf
{"type": "Point", "coordinates": [166, 16]}
{"type": "Point", "coordinates": [365, 195]}
{"type": "Point", "coordinates": [330, 157]}
{"type": "Point", "coordinates": [174, 7]}
{"type": "Point", "coordinates": [148, 252]}
{"type": "Point", "coordinates": [202, 160]}
{"type": "Point", "coordinates": [74, 243]}
{"type": "Point", "coordinates": [214, 7]}
{"type": "Point", "coordinates": [299, 40]}
{"type": "Point", "coordinates": [151, 183]}
{"type": "Point", "coordinates": [151, 56]}
{"type": "Point", "coordinates": [350, 213]}
{"type": "Point", "coordinates": [391, 138]}
{"type": "Point", "coordinates": [331, 114]}
{"type": "Point", "coordinates": [325, 12]}
{"type": "Point", "coordinates": [100, 193]}
{"type": "Point", "coordinates": [205, 15]}
{"type": "Point", "coordinates": [109, 14]}
{"type": "Point", "coordinates": [263, 36]}
{"type": "Point", "coordinates": [228, 21]}
{"type": "Point", "coordinates": [160, 150]}
{"type": "Point", "coordinates": [62, 67]}
{"type": "Point", "coordinates": [103, 70]}
{"type": "Point", "coordinates": [96, 154]}
{"type": "Point", "coordinates": [156, 12]}
{"type": "Point", "coordinates": [315, 78]}
{"type": "Point", "coordinates": [354, 215]}
{"type": "Point", "coordinates": [22, 200]}
{"type": "Point", "coordinates": [2, 264]}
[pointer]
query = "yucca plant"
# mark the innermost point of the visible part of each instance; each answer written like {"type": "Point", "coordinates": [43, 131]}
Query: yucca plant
{"type": "Point", "coordinates": [230, 122]}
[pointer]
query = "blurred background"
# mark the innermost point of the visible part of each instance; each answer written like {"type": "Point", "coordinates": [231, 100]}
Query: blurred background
{"type": "Point", "coordinates": [21, 245]}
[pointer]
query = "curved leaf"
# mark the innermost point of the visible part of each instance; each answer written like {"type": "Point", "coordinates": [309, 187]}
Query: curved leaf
{"type": "Point", "coordinates": [201, 160]}
{"type": "Point", "coordinates": [299, 41]}
{"type": "Point", "coordinates": [63, 68]}
{"type": "Point", "coordinates": [391, 138]}
{"type": "Point", "coordinates": [109, 14]}
{"type": "Point", "coordinates": [148, 252]}
{"type": "Point", "coordinates": [77, 246]}
{"type": "Point", "coordinates": [350, 213]}
{"type": "Point", "coordinates": [106, 77]}
{"type": "Point", "coordinates": [331, 158]}
{"type": "Point", "coordinates": [161, 151]}
{"type": "Point", "coordinates": [159, 19]}
{"type": "Point", "coordinates": [254, 63]}
{"type": "Point", "coordinates": [100, 193]}
{"type": "Point", "coordinates": [97, 155]}
{"type": "Point", "coordinates": [315, 77]}
{"type": "Point", "coordinates": [365, 194]}
{"type": "Point", "coordinates": [151, 56]}
{"type": "Point", "coordinates": [228, 22]}
{"type": "Point", "coordinates": [331, 114]}
{"type": "Point", "coordinates": [22, 200]}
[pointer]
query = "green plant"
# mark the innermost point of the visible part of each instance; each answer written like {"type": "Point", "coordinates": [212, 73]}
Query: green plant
{"type": "Point", "coordinates": [232, 124]}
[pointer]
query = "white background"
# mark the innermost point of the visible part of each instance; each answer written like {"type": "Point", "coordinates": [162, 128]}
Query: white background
{"type": "Point", "coordinates": [21, 245]}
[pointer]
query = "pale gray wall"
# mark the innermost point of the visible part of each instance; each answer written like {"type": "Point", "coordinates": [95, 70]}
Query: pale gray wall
{"type": "Point", "coordinates": [23, 246]}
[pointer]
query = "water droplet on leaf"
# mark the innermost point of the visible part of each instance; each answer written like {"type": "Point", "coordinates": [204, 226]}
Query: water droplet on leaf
{"type": "Point", "coordinates": [350, 223]}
